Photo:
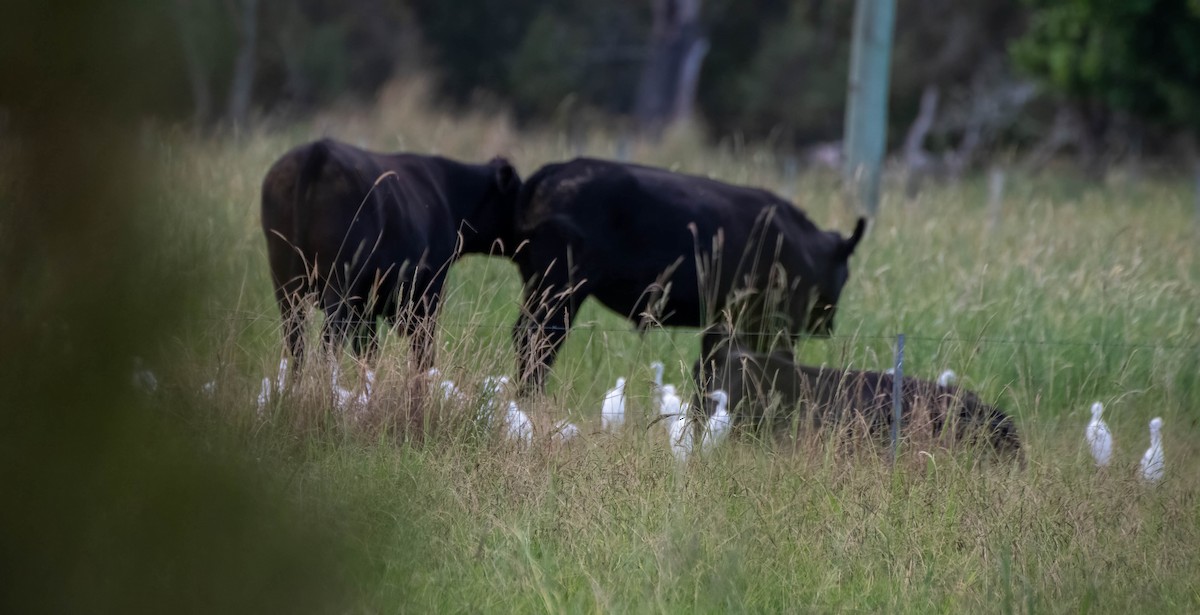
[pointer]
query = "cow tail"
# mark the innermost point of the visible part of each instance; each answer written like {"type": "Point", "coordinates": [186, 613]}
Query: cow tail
{"type": "Point", "coordinates": [310, 173]}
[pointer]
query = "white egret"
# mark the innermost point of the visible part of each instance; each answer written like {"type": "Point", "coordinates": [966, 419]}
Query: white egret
{"type": "Point", "coordinates": [1152, 461]}
{"type": "Point", "coordinates": [719, 423]}
{"type": "Point", "coordinates": [612, 412]}
{"type": "Point", "coordinates": [668, 402]}
{"type": "Point", "coordinates": [281, 379]}
{"type": "Point", "coordinates": [680, 435]}
{"type": "Point", "coordinates": [143, 378]}
{"type": "Point", "coordinates": [565, 431]}
{"type": "Point", "coordinates": [264, 394]}
{"type": "Point", "coordinates": [493, 386]}
{"type": "Point", "coordinates": [657, 366]}
{"type": "Point", "coordinates": [450, 391]}
{"type": "Point", "coordinates": [270, 388]}
{"type": "Point", "coordinates": [517, 424]}
{"type": "Point", "coordinates": [947, 378]}
{"type": "Point", "coordinates": [1098, 437]}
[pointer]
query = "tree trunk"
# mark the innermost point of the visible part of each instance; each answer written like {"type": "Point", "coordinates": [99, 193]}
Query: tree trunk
{"type": "Point", "coordinates": [1063, 132]}
{"type": "Point", "coordinates": [689, 79]}
{"type": "Point", "coordinates": [671, 71]}
{"type": "Point", "coordinates": [197, 75]}
{"type": "Point", "coordinates": [242, 86]}
{"type": "Point", "coordinates": [915, 156]}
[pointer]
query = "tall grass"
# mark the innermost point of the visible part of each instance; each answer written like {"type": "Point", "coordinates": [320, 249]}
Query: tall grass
{"type": "Point", "coordinates": [1078, 292]}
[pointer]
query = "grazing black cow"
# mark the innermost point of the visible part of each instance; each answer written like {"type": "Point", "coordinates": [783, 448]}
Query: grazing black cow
{"type": "Point", "coordinates": [370, 235]}
{"type": "Point", "coordinates": [667, 248]}
{"type": "Point", "coordinates": [771, 391]}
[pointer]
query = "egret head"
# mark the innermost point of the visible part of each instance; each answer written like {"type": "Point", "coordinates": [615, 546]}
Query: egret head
{"type": "Point", "coordinates": [721, 397]}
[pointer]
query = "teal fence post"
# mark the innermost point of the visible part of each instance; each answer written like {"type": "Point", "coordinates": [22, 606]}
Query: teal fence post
{"type": "Point", "coordinates": [866, 101]}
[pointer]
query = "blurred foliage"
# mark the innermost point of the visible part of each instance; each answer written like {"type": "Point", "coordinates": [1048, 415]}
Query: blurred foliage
{"type": "Point", "coordinates": [118, 500]}
{"type": "Point", "coordinates": [1138, 56]}
{"type": "Point", "coordinates": [776, 69]}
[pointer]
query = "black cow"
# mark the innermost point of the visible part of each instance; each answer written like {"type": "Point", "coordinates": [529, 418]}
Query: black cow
{"type": "Point", "coordinates": [370, 235]}
{"type": "Point", "coordinates": [667, 248]}
{"type": "Point", "coordinates": [771, 392]}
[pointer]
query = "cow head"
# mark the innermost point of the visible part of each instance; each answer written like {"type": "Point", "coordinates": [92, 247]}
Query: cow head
{"type": "Point", "coordinates": [832, 278]}
{"type": "Point", "coordinates": [492, 221]}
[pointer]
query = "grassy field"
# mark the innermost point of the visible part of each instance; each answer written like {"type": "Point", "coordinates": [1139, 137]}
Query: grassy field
{"type": "Point", "coordinates": [1076, 292]}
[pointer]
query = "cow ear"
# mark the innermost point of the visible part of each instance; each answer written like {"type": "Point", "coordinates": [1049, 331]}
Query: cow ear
{"type": "Point", "coordinates": [506, 176]}
{"type": "Point", "coordinates": [851, 242]}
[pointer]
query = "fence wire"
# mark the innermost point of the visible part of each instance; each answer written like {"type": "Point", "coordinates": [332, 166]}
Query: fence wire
{"type": "Point", "coordinates": [247, 317]}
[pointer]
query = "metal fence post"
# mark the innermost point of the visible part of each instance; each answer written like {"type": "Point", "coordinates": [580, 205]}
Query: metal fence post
{"type": "Point", "coordinates": [897, 379]}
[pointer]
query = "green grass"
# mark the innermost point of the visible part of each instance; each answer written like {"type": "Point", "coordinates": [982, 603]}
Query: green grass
{"type": "Point", "coordinates": [1079, 292]}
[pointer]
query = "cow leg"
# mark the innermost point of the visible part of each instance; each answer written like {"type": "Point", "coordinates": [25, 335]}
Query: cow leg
{"type": "Point", "coordinates": [343, 316]}
{"type": "Point", "coordinates": [293, 307]}
{"type": "Point", "coordinates": [292, 292]}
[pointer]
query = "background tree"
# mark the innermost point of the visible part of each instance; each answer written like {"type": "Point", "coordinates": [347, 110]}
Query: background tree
{"type": "Point", "coordinates": [1107, 58]}
{"type": "Point", "coordinates": [1110, 76]}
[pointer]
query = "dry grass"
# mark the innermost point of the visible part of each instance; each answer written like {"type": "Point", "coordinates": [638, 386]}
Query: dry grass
{"type": "Point", "coordinates": [1078, 292]}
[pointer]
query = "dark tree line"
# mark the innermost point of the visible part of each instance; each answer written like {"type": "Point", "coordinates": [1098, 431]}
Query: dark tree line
{"type": "Point", "coordinates": [1088, 75]}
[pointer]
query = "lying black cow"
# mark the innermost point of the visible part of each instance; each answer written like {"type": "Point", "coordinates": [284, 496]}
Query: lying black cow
{"type": "Point", "coordinates": [371, 235]}
{"type": "Point", "coordinates": [670, 249]}
{"type": "Point", "coordinates": [771, 392]}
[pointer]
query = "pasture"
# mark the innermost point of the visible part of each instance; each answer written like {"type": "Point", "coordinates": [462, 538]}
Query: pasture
{"type": "Point", "coordinates": [1076, 292]}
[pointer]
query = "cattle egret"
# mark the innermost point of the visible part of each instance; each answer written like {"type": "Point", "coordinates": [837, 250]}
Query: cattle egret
{"type": "Point", "coordinates": [268, 387]}
{"type": "Point", "coordinates": [493, 386]}
{"type": "Point", "coordinates": [143, 378]}
{"type": "Point", "coordinates": [450, 391]}
{"type": "Point", "coordinates": [345, 399]}
{"type": "Point", "coordinates": [682, 434]}
{"type": "Point", "coordinates": [668, 401]}
{"type": "Point", "coordinates": [612, 413]}
{"type": "Point", "coordinates": [1152, 460]}
{"type": "Point", "coordinates": [947, 378]}
{"type": "Point", "coordinates": [517, 425]}
{"type": "Point", "coordinates": [281, 379]}
{"type": "Point", "coordinates": [657, 366]}
{"type": "Point", "coordinates": [1099, 438]}
{"type": "Point", "coordinates": [368, 388]}
{"type": "Point", "coordinates": [342, 398]}
{"type": "Point", "coordinates": [679, 432]}
{"type": "Point", "coordinates": [264, 395]}
{"type": "Point", "coordinates": [719, 423]}
{"type": "Point", "coordinates": [565, 431]}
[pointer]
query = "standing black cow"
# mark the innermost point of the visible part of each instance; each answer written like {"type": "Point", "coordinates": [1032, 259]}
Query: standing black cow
{"type": "Point", "coordinates": [370, 235]}
{"type": "Point", "coordinates": [667, 248]}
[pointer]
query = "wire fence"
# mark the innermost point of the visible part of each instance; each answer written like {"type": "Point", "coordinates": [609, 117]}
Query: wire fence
{"type": "Point", "coordinates": [874, 336]}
